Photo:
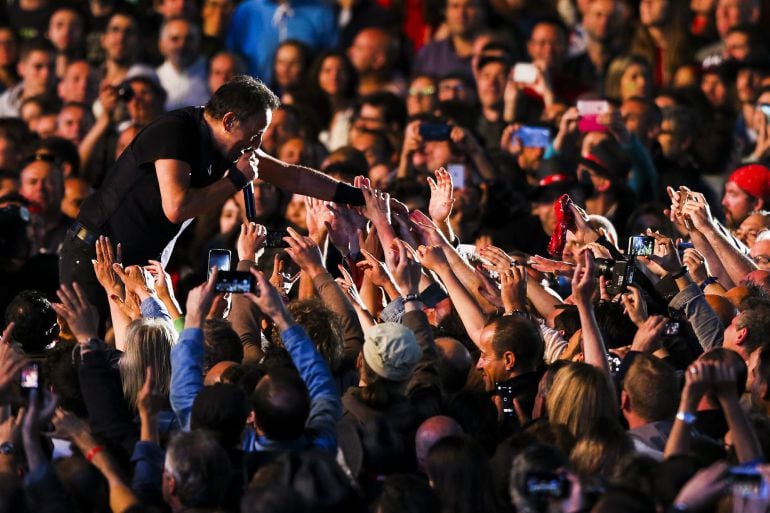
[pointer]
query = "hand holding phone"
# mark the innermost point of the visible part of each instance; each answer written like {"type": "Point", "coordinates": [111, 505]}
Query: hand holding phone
{"type": "Point", "coordinates": [219, 258]}
{"type": "Point", "coordinates": [524, 73]}
{"type": "Point", "coordinates": [589, 112]}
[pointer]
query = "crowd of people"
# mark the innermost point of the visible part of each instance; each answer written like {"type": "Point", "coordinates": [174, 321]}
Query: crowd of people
{"type": "Point", "coordinates": [502, 256]}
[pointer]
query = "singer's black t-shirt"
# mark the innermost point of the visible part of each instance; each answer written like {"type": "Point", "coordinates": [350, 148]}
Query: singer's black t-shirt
{"type": "Point", "coordinates": [127, 207]}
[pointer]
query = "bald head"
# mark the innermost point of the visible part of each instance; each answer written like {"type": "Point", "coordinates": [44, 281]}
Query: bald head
{"type": "Point", "coordinates": [454, 363]}
{"type": "Point", "coordinates": [214, 375]}
{"type": "Point", "coordinates": [431, 431]}
{"type": "Point", "coordinates": [373, 49]}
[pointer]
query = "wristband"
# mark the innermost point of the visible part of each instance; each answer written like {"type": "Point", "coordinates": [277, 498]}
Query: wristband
{"type": "Point", "coordinates": [411, 297]}
{"type": "Point", "coordinates": [681, 272]}
{"type": "Point", "coordinates": [348, 195]}
{"type": "Point", "coordinates": [237, 178]}
{"type": "Point", "coordinates": [686, 417]}
{"type": "Point", "coordinates": [708, 281]}
{"type": "Point", "coordinates": [517, 313]}
{"type": "Point", "coordinates": [93, 452]}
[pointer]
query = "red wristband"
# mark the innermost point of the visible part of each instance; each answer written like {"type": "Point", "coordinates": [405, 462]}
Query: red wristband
{"type": "Point", "coordinates": [93, 452]}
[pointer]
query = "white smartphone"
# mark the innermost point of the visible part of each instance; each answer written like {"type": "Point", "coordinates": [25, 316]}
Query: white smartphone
{"type": "Point", "coordinates": [457, 172]}
{"type": "Point", "coordinates": [524, 73]}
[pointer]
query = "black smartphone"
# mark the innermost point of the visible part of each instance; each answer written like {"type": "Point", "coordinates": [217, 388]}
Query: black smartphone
{"type": "Point", "coordinates": [547, 485]}
{"type": "Point", "coordinates": [435, 131]}
{"type": "Point", "coordinates": [235, 282]}
{"type": "Point", "coordinates": [682, 246]}
{"type": "Point", "coordinates": [747, 482]}
{"type": "Point", "coordinates": [641, 245]}
{"type": "Point", "coordinates": [30, 377]}
{"type": "Point", "coordinates": [275, 239]}
{"type": "Point", "coordinates": [505, 391]}
{"type": "Point", "coordinates": [672, 329]}
{"type": "Point", "coordinates": [219, 258]}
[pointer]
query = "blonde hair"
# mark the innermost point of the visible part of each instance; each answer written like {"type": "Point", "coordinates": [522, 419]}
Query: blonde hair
{"type": "Point", "coordinates": [580, 394]}
{"type": "Point", "coordinates": [148, 344]}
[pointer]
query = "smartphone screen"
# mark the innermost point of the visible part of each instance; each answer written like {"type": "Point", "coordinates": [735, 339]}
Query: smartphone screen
{"type": "Point", "coordinates": [274, 239]}
{"type": "Point", "coordinates": [641, 245]}
{"type": "Point", "coordinates": [235, 282]}
{"type": "Point", "coordinates": [435, 131]}
{"type": "Point", "coordinates": [589, 112]}
{"type": "Point", "coordinates": [30, 376]}
{"type": "Point", "coordinates": [219, 258]}
{"type": "Point", "coordinates": [524, 73]}
{"type": "Point", "coordinates": [533, 136]}
{"type": "Point", "coordinates": [457, 172]}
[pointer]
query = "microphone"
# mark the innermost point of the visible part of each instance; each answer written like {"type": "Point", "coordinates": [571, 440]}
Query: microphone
{"type": "Point", "coordinates": [248, 201]}
{"type": "Point", "coordinates": [248, 195]}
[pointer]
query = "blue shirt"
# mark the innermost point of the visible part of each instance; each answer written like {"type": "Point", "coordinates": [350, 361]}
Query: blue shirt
{"type": "Point", "coordinates": [259, 26]}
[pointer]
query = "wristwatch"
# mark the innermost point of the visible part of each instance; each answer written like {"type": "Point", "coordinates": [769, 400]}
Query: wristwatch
{"type": "Point", "coordinates": [411, 297]}
{"type": "Point", "coordinates": [686, 417]}
{"type": "Point", "coordinates": [7, 448]}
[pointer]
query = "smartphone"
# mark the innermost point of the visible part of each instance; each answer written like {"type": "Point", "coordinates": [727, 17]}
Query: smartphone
{"type": "Point", "coordinates": [457, 172]}
{"type": "Point", "coordinates": [524, 73]}
{"type": "Point", "coordinates": [274, 239]}
{"type": "Point", "coordinates": [236, 282]}
{"type": "Point", "coordinates": [435, 131]}
{"type": "Point", "coordinates": [533, 136]}
{"type": "Point", "coordinates": [30, 376]}
{"type": "Point", "coordinates": [672, 329]}
{"type": "Point", "coordinates": [747, 482]}
{"type": "Point", "coordinates": [219, 258]}
{"type": "Point", "coordinates": [682, 246]}
{"type": "Point", "coordinates": [641, 245]}
{"type": "Point", "coordinates": [547, 485]}
{"type": "Point", "coordinates": [505, 391]}
{"type": "Point", "coordinates": [589, 112]}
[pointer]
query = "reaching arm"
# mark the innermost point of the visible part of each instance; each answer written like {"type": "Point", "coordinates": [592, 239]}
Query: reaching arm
{"type": "Point", "coordinates": [583, 288]}
{"type": "Point", "coordinates": [307, 181]}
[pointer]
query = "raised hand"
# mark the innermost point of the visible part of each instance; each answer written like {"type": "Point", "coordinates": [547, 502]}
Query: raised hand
{"type": "Point", "coordinates": [427, 230]}
{"type": "Point", "coordinates": [514, 288]}
{"type": "Point", "coordinates": [441, 196]}
{"type": "Point", "coordinates": [103, 266]}
{"type": "Point", "coordinates": [499, 261]}
{"type": "Point", "coordinates": [377, 206]}
{"type": "Point", "coordinates": [161, 280]}
{"type": "Point", "coordinates": [665, 257]}
{"type": "Point", "coordinates": [647, 338]}
{"type": "Point", "coordinates": [489, 288]}
{"type": "Point", "coordinates": [12, 360]}
{"type": "Point", "coordinates": [696, 209]}
{"type": "Point", "coordinates": [199, 301]}
{"type": "Point", "coordinates": [374, 270]}
{"type": "Point", "coordinates": [305, 252]}
{"type": "Point", "coordinates": [81, 316]}
{"type": "Point", "coordinates": [251, 241]}
{"type": "Point", "coordinates": [634, 304]}
{"type": "Point", "coordinates": [136, 280]}
{"type": "Point", "coordinates": [269, 301]}
{"type": "Point", "coordinates": [696, 265]}
{"type": "Point", "coordinates": [317, 217]}
{"type": "Point", "coordinates": [404, 268]}
{"type": "Point", "coordinates": [432, 258]}
{"type": "Point", "coordinates": [546, 265]}
{"type": "Point", "coordinates": [584, 282]}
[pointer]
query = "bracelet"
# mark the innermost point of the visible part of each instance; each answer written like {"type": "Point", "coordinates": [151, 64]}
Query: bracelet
{"type": "Point", "coordinates": [708, 281]}
{"type": "Point", "coordinates": [93, 452]}
{"type": "Point", "coordinates": [237, 178]}
{"type": "Point", "coordinates": [411, 297]}
{"type": "Point", "coordinates": [681, 272]}
{"type": "Point", "coordinates": [686, 417]}
{"type": "Point", "coordinates": [517, 313]}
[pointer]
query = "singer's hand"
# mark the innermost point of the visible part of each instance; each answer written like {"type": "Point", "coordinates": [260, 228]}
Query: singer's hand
{"type": "Point", "coordinates": [248, 164]}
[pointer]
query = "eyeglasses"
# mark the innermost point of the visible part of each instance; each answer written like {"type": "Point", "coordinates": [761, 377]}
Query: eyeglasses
{"type": "Point", "coordinates": [422, 91]}
{"type": "Point", "coordinates": [761, 260]}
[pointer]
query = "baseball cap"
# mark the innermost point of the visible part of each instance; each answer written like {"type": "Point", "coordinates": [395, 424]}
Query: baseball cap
{"type": "Point", "coordinates": [607, 159]}
{"type": "Point", "coordinates": [754, 179]}
{"type": "Point", "coordinates": [391, 351]}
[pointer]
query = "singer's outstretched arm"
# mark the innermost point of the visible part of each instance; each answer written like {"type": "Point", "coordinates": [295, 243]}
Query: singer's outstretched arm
{"type": "Point", "coordinates": [307, 181]}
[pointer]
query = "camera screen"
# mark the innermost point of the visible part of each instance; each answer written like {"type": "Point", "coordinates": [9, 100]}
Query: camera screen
{"type": "Point", "coordinates": [545, 484]}
{"type": "Point", "coordinates": [234, 282]}
{"type": "Point", "coordinates": [506, 395]}
{"type": "Point", "coordinates": [30, 376]}
{"type": "Point", "coordinates": [641, 245]}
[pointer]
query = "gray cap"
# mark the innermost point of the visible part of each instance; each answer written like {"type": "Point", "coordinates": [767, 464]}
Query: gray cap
{"type": "Point", "coordinates": [391, 351]}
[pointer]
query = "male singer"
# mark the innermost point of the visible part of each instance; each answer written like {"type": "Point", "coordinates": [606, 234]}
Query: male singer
{"type": "Point", "coordinates": [177, 167]}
